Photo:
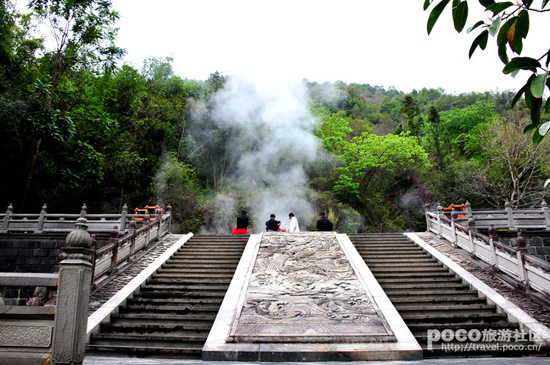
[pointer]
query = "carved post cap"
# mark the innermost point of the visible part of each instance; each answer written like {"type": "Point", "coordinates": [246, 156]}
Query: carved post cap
{"type": "Point", "coordinates": [133, 225]}
{"type": "Point", "coordinates": [454, 215]}
{"type": "Point", "coordinates": [125, 208]}
{"type": "Point", "coordinates": [114, 232]}
{"type": "Point", "coordinates": [520, 242]}
{"type": "Point", "coordinates": [427, 207]}
{"type": "Point", "coordinates": [507, 204]}
{"type": "Point", "coordinates": [492, 231]}
{"type": "Point", "coordinates": [472, 223]}
{"type": "Point", "coordinates": [10, 209]}
{"type": "Point", "coordinates": [80, 236]}
{"type": "Point", "coordinates": [468, 205]}
{"type": "Point", "coordinates": [44, 208]}
{"type": "Point", "coordinates": [83, 210]}
{"type": "Point", "coordinates": [544, 204]}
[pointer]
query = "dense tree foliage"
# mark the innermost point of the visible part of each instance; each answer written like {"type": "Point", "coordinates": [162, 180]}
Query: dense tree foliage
{"type": "Point", "coordinates": [79, 126]}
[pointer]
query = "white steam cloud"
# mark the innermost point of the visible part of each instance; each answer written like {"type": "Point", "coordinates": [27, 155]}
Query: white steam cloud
{"type": "Point", "coordinates": [275, 143]}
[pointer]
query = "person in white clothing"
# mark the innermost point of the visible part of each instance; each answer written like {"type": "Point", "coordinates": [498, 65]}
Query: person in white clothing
{"type": "Point", "coordinates": [293, 224]}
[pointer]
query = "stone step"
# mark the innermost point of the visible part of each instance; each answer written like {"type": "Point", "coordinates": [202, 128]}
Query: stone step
{"type": "Point", "coordinates": [397, 265]}
{"type": "Point", "coordinates": [443, 272]}
{"type": "Point", "coordinates": [155, 327]}
{"type": "Point", "coordinates": [442, 300]}
{"type": "Point", "coordinates": [180, 287]}
{"type": "Point", "coordinates": [173, 301]}
{"type": "Point", "coordinates": [203, 266]}
{"type": "Point", "coordinates": [150, 339]}
{"type": "Point", "coordinates": [398, 293]}
{"type": "Point", "coordinates": [452, 317]}
{"type": "Point", "coordinates": [168, 317]}
{"type": "Point", "coordinates": [420, 279]}
{"type": "Point", "coordinates": [191, 275]}
{"type": "Point", "coordinates": [423, 285]}
{"type": "Point", "coordinates": [422, 328]}
{"type": "Point", "coordinates": [140, 351]}
{"type": "Point", "coordinates": [188, 281]}
{"type": "Point", "coordinates": [456, 308]}
{"type": "Point", "coordinates": [198, 261]}
{"type": "Point", "coordinates": [163, 309]}
{"type": "Point", "coordinates": [397, 260]}
{"type": "Point", "coordinates": [197, 271]}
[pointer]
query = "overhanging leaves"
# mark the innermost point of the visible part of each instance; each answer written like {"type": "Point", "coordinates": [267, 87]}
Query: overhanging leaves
{"type": "Point", "coordinates": [544, 129]}
{"type": "Point", "coordinates": [521, 63]}
{"type": "Point", "coordinates": [436, 12]}
{"type": "Point", "coordinates": [481, 41]}
{"type": "Point", "coordinates": [538, 84]}
{"type": "Point", "coordinates": [460, 15]}
{"type": "Point", "coordinates": [497, 8]}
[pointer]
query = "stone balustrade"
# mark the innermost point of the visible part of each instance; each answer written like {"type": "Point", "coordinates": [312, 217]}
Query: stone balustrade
{"type": "Point", "coordinates": [526, 271]}
{"type": "Point", "coordinates": [52, 333]}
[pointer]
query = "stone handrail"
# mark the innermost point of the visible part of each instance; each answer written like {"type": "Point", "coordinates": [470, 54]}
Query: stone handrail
{"type": "Point", "coordinates": [507, 218]}
{"type": "Point", "coordinates": [527, 271]}
{"type": "Point", "coordinates": [108, 260]}
{"type": "Point", "coordinates": [45, 222]}
{"type": "Point", "coordinates": [53, 333]}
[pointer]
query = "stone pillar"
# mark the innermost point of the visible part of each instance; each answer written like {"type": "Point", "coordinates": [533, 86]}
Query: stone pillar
{"type": "Point", "coordinates": [123, 216]}
{"type": "Point", "coordinates": [169, 212]}
{"type": "Point", "coordinates": [73, 296]}
{"type": "Point", "coordinates": [9, 212]}
{"type": "Point", "coordinates": [454, 217]}
{"type": "Point", "coordinates": [492, 239]}
{"type": "Point", "coordinates": [41, 219]}
{"type": "Point", "coordinates": [521, 251]}
{"type": "Point", "coordinates": [439, 215]}
{"type": "Point", "coordinates": [471, 231]}
{"type": "Point", "coordinates": [113, 240]}
{"type": "Point", "coordinates": [83, 211]}
{"type": "Point", "coordinates": [510, 213]}
{"type": "Point", "coordinates": [468, 210]}
{"type": "Point", "coordinates": [426, 210]}
{"type": "Point", "coordinates": [546, 214]}
{"type": "Point", "coordinates": [132, 233]}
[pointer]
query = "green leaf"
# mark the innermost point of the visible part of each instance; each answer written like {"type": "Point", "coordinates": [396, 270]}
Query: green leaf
{"type": "Point", "coordinates": [502, 53]}
{"type": "Point", "coordinates": [499, 7]}
{"type": "Point", "coordinates": [436, 12]}
{"type": "Point", "coordinates": [501, 38]}
{"type": "Point", "coordinates": [486, 3]}
{"type": "Point", "coordinates": [543, 129]}
{"type": "Point", "coordinates": [521, 63]}
{"type": "Point", "coordinates": [538, 84]}
{"type": "Point", "coordinates": [536, 104]}
{"type": "Point", "coordinates": [481, 22]}
{"type": "Point", "coordinates": [481, 41]}
{"type": "Point", "coordinates": [495, 26]}
{"type": "Point", "coordinates": [537, 137]}
{"type": "Point", "coordinates": [527, 3]}
{"type": "Point", "coordinates": [544, 3]}
{"type": "Point", "coordinates": [518, 43]}
{"type": "Point", "coordinates": [427, 4]}
{"type": "Point", "coordinates": [460, 15]}
{"type": "Point", "coordinates": [522, 26]}
{"type": "Point", "coordinates": [520, 93]}
{"type": "Point", "coordinates": [547, 105]}
{"type": "Point", "coordinates": [529, 127]}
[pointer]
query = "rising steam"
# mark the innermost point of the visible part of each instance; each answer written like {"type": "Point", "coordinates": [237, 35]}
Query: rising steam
{"type": "Point", "coordinates": [274, 146]}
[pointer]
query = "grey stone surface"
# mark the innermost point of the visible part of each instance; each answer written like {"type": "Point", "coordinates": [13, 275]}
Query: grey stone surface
{"type": "Point", "coordinates": [303, 289]}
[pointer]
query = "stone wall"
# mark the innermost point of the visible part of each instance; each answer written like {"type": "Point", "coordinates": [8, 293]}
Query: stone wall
{"type": "Point", "coordinates": [538, 243]}
{"type": "Point", "coordinates": [33, 253]}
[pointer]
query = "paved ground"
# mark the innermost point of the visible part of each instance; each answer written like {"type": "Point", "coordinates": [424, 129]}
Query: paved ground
{"type": "Point", "coordinates": [493, 361]}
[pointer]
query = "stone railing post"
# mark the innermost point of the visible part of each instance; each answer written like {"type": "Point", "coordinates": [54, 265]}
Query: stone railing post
{"type": "Point", "coordinates": [439, 215]}
{"type": "Point", "coordinates": [9, 212]}
{"type": "Point", "coordinates": [83, 211]}
{"type": "Point", "coordinates": [492, 239]}
{"type": "Point", "coordinates": [510, 213]}
{"type": "Point", "coordinates": [132, 233]}
{"type": "Point", "coordinates": [169, 212]}
{"type": "Point", "coordinates": [546, 214]}
{"type": "Point", "coordinates": [426, 211]}
{"type": "Point", "coordinates": [454, 217]}
{"type": "Point", "coordinates": [41, 218]}
{"type": "Point", "coordinates": [123, 217]}
{"type": "Point", "coordinates": [471, 231]}
{"type": "Point", "coordinates": [521, 251]}
{"type": "Point", "coordinates": [113, 240]}
{"type": "Point", "coordinates": [468, 210]}
{"type": "Point", "coordinates": [73, 296]}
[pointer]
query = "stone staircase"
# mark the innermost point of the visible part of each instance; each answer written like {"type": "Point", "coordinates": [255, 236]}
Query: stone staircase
{"type": "Point", "coordinates": [173, 313]}
{"type": "Point", "coordinates": [430, 297]}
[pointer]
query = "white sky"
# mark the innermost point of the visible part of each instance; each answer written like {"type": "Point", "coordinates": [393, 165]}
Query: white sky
{"type": "Point", "coordinates": [363, 41]}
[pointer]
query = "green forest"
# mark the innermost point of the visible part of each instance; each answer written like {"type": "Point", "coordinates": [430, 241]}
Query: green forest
{"type": "Point", "coordinates": [78, 125]}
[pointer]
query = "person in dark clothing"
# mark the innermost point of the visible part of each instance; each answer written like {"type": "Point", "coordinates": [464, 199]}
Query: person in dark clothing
{"type": "Point", "coordinates": [242, 224]}
{"type": "Point", "coordinates": [324, 224]}
{"type": "Point", "coordinates": [271, 225]}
